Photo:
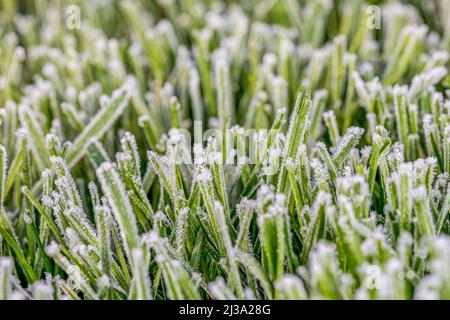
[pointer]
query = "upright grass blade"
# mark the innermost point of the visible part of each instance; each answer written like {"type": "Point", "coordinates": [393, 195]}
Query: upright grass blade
{"type": "Point", "coordinates": [140, 275]}
{"type": "Point", "coordinates": [114, 191]}
{"type": "Point", "coordinates": [98, 125]}
{"type": "Point", "coordinates": [296, 135]}
{"type": "Point", "coordinates": [11, 239]}
{"type": "Point", "coordinates": [318, 225]}
{"type": "Point", "coordinates": [3, 170]}
{"type": "Point", "coordinates": [6, 269]}
{"type": "Point", "coordinates": [346, 144]}
{"type": "Point", "coordinates": [36, 139]}
{"type": "Point", "coordinates": [287, 197]}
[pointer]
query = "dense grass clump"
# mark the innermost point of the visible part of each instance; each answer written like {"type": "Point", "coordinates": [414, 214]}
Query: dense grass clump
{"type": "Point", "coordinates": [270, 149]}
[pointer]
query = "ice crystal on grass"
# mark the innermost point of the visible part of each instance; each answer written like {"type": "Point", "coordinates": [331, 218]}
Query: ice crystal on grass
{"type": "Point", "coordinates": [260, 150]}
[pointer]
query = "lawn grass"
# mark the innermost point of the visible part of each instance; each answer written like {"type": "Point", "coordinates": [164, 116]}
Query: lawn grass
{"type": "Point", "coordinates": [276, 149]}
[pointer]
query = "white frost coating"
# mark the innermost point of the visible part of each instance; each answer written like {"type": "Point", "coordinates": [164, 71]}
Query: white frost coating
{"type": "Point", "coordinates": [203, 175]}
{"type": "Point", "coordinates": [351, 137]}
{"type": "Point", "coordinates": [369, 247]}
{"type": "Point", "coordinates": [72, 237]}
{"type": "Point", "coordinates": [151, 238]}
{"type": "Point", "coordinates": [419, 193]}
{"type": "Point", "coordinates": [290, 284]}
{"type": "Point", "coordinates": [52, 249]}
{"type": "Point", "coordinates": [112, 186]}
{"type": "Point", "coordinates": [5, 263]}
{"type": "Point", "coordinates": [103, 282]}
{"type": "Point", "coordinates": [52, 140]}
{"type": "Point", "coordinates": [426, 80]}
{"type": "Point", "coordinates": [428, 123]}
{"type": "Point", "coordinates": [27, 218]}
{"type": "Point", "coordinates": [41, 290]}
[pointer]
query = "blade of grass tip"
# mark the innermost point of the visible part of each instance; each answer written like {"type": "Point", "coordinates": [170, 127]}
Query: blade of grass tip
{"type": "Point", "coordinates": [361, 90]}
{"type": "Point", "coordinates": [443, 212]}
{"type": "Point", "coordinates": [6, 269]}
{"type": "Point", "coordinates": [245, 209]}
{"type": "Point", "coordinates": [329, 118]}
{"type": "Point", "coordinates": [42, 290]}
{"type": "Point", "coordinates": [3, 170]}
{"type": "Point", "coordinates": [279, 92]}
{"type": "Point", "coordinates": [123, 267]}
{"type": "Point", "coordinates": [196, 251]}
{"type": "Point", "coordinates": [204, 179]}
{"type": "Point", "coordinates": [423, 211]}
{"type": "Point", "coordinates": [149, 178]}
{"type": "Point", "coordinates": [406, 49]}
{"type": "Point", "coordinates": [8, 234]}
{"type": "Point", "coordinates": [115, 192]}
{"type": "Point", "coordinates": [272, 236]}
{"type": "Point", "coordinates": [413, 140]}
{"type": "Point", "coordinates": [431, 139]}
{"type": "Point", "coordinates": [346, 144]}
{"type": "Point", "coordinates": [219, 290]}
{"type": "Point", "coordinates": [298, 126]}
{"type": "Point", "coordinates": [194, 91]}
{"type": "Point", "coordinates": [30, 251]}
{"type": "Point", "coordinates": [53, 251]}
{"type": "Point", "coordinates": [446, 148]}
{"type": "Point", "coordinates": [291, 167]}
{"type": "Point", "coordinates": [349, 104]}
{"type": "Point", "coordinates": [218, 175]}
{"type": "Point", "coordinates": [338, 69]}
{"type": "Point", "coordinates": [101, 122]}
{"type": "Point", "coordinates": [169, 274]}
{"type": "Point", "coordinates": [93, 192]}
{"type": "Point", "coordinates": [166, 171]}
{"type": "Point", "coordinates": [80, 225]}
{"type": "Point", "coordinates": [290, 287]}
{"type": "Point", "coordinates": [317, 228]}
{"type": "Point", "coordinates": [8, 121]}
{"type": "Point", "coordinates": [380, 142]}
{"type": "Point", "coordinates": [178, 282]}
{"type": "Point", "coordinates": [129, 168]}
{"type": "Point", "coordinates": [180, 232]}
{"type": "Point", "coordinates": [46, 260]}
{"type": "Point", "coordinates": [323, 152]}
{"type": "Point", "coordinates": [151, 134]}
{"type": "Point", "coordinates": [68, 291]}
{"type": "Point", "coordinates": [222, 82]}
{"type": "Point", "coordinates": [46, 215]}
{"type": "Point", "coordinates": [202, 39]}
{"type": "Point", "coordinates": [234, 277]}
{"type": "Point", "coordinates": [405, 176]}
{"type": "Point", "coordinates": [250, 262]}
{"type": "Point", "coordinates": [65, 183]}
{"type": "Point", "coordinates": [36, 139]}
{"type": "Point", "coordinates": [317, 109]}
{"type": "Point", "coordinates": [128, 144]}
{"type": "Point", "coordinates": [321, 176]}
{"type": "Point", "coordinates": [72, 116]}
{"type": "Point", "coordinates": [304, 171]}
{"type": "Point", "coordinates": [17, 161]}
{"type": "Point", "coordinates": [401, 115]}
{"type": "Point", "coordinates": [97, 154]}
{"type": "Point", "coordinates": [252, 183]}
{"type": "Point", "coordinates": [53, 144]}
{"type": "Point", "coordinates": [140, 275]}
{"type": "Point", "coordinates": [175, 109]}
